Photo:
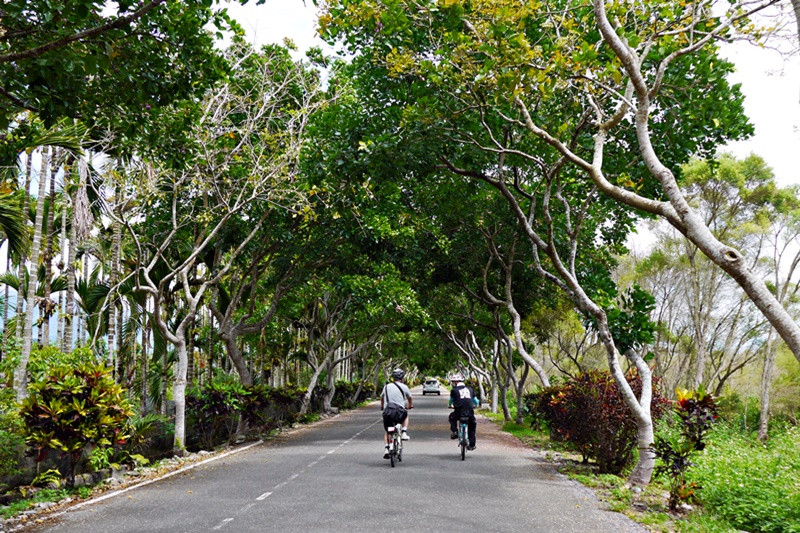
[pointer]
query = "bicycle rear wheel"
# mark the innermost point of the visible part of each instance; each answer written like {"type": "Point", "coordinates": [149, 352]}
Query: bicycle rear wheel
{"type": "Point", "coordinates": [462, 440]}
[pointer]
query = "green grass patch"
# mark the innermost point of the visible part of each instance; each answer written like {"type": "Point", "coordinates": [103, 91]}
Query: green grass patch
{"type": "Point", "coordinates": [703, 523]}
{"type": "Point", "coordinates": [45, 495]}
{"type": "Point", "coordinates": [752, 485]}
{"type": "Point", "coordinates": [308, 418]}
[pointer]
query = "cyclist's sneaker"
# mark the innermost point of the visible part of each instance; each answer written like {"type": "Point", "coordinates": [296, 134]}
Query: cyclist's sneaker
{"type": "Point", "coordinates": [386, 453]}
{"type": "Point", "coordinates": [470, 448]}
{"type": "Point", "coordinates": [404, 435]}
{"type": "Point", "coordinates": [453, 435]}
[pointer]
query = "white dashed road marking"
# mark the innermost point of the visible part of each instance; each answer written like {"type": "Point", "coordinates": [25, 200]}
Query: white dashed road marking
{"type": "Point", "coordinates": [223, 523]}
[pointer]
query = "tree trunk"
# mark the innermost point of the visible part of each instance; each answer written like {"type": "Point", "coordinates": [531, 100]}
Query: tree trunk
{"type": "Point", "coordinates": [306, 402]}
{"type": "Point", "coordinates": [144, 361]}
{"type": "Point", "coordinates": [5, 294]}
{"type": "Point", "coordinates": [122, 364]}
{"type": "Point", "coordinates": [504, 400]}
{"type": "Point", "coordinates": [21, 269]}
{"type": "Point", "coordinates": [48, 254]}
{"type": "Point", "coordinates": [21, 372]}
{"type": "Point", "coordinates": [190, 354]}
{"type": "Point", "coordinates": [62, 321]}
{"type": "Point", "coordinates": [236, 358]}
{"type": "Point", "coordinates": [327, 401]}
{"type": "Point", "coordinates": [678, 212]}
{"type": "Point", "coordinates": [766, 386]}
{"type": "Point", "coordinates": [83, 320]}
{"type": "Point", "coordinates": [113, 347]}
{"type": "Point", "coordinates": [520, 345]}
{"type": "Point", "coordinates": [520, 396]}
{"type": "Point", "coordinates": [164, 382]}
{"type": "Point", "coordinates": [179, 396]}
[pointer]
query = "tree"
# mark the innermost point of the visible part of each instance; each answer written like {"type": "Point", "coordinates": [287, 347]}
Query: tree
{"type": "Point", "coordinates": [20, 373]}
{"type": "Point", "coordinates": [784, 264]}
{"type": "Point", "coordinates": [89, 60]}
{"type": "Point", "coordinates": [610, 82]}
{"type": "Point", "coordinates": [242, 160]}
{"type": "Point", "coordinates": [458, 108]}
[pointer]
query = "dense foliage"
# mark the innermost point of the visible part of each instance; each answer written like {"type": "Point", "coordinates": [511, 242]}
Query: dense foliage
{"type": "Point", "coordinates": [74, 407]}
{"type": "Point", "coordinates": [695, 412]}
{"type": "Point", "coordinates": [588, 412]}
{"type": "Point", "coordinates": [754, 486]}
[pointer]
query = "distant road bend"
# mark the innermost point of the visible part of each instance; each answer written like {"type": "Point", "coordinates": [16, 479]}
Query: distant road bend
{"type": "Point", "coordinates": [332, 477]}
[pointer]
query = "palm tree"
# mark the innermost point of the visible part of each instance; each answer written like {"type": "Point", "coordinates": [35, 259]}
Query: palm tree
{"type": "Point", "coordinates": [28, 135]}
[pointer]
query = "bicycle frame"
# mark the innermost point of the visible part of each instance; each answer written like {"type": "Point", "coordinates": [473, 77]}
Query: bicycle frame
{"type": "Point", "coordinates": [395, 444]}
{"type": "Point", "coordinates": [462, 437]}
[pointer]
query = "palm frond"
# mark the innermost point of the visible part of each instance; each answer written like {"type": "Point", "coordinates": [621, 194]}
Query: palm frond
{"type": "Point", "coordinates": [11, 279]}
{"type": "Point", "coordinates": [66, 134]}
{"type": "Point", "coordinates": [12, 225]}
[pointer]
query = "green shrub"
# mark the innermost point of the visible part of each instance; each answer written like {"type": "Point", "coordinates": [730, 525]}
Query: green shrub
{"type": "Point", "coordinates": [589, 412]}
{"type": "Point", "coordinates": [257, 409]}
{"type": "Point", "coordinates": [695, 413]}
{"type": "Point", "coordinates": [345, 390]}
{"type": "Point", "coordinates": [752, 485]}
{"type": "Point", "coordinates": [144, 431]}
{"type": "Point", "coordinates": [72, 408]}
{"type": "Point", "coordinates": [213, 409]}
{"type": "Point", "coordinates": [12, 443]}
{"type": "Point", "coordinates": [285, 402]}
{"type": "Point", "coordinates": [741, 413]}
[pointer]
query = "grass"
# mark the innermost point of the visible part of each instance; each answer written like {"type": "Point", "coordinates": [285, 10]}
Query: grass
{"type": "Point", "coordinates": [44, 495]}
{"type": "Point", "coordinates": [752, 485]}
{"type": "Point", "coordinates": [743, 484]}
{"type": "Point", "coordinates": [308, 418]}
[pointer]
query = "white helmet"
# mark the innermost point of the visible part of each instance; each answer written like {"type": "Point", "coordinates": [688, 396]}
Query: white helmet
{"type": "Point", "coordinates": [456, 378]}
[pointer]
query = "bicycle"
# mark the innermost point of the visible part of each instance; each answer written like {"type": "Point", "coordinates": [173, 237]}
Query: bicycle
{"type": "Point", "coordinates": [396, 444]}
{"type": "Point", "coordinates": [463, 441]}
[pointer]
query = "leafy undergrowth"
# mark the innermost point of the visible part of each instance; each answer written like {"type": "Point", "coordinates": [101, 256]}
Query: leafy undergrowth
{"type": "Point", "coordinates": [742, 485]}
{"type": "Point", "coordinates": [43, 496]}
{"type": "Point", "coordinates": [752, 485]}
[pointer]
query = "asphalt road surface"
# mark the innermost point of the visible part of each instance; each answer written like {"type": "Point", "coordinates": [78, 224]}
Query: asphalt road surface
{"type": "Point", "coordinates": [331, 476]}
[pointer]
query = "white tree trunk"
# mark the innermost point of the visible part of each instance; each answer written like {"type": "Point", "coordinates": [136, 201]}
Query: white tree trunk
{"type": "Point", "coordinates": [64, 262]}
{"type": "Point", "coordinates": [111, 301]}
{"type": "Point", "coordinates": [766, 385]}
{"type": "Point", "coordinates": [21, 372]}
{"type": "Point", "coordinates": [21, 269]}
{"type": "Point", "coordinates": [179, 395]}
{"type": "Point", "coordinates": [678, 211]}
{"type": "Point", "coordinates": [69, 305]}
{"type": "Point", "coordinates": [306, 402]}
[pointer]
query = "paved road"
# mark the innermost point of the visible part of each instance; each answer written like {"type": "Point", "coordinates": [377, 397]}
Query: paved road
{"type": "Point", "coordinates": [332, 477]}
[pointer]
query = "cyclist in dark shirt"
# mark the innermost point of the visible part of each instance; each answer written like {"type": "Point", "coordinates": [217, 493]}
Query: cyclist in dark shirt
{"type": "Point", "coordinates": [463, 400]}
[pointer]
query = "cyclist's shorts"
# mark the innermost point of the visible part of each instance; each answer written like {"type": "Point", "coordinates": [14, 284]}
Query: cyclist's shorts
{"type": "Point", "coordinates": [394, 414]}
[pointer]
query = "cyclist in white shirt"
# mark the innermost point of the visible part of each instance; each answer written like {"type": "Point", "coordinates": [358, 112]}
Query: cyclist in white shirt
{"type": "Point", "coordinates": [395, 402]}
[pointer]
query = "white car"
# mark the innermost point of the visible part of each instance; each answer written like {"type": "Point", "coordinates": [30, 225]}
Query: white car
{"type": "Point", "coordinates": [431, 386]}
